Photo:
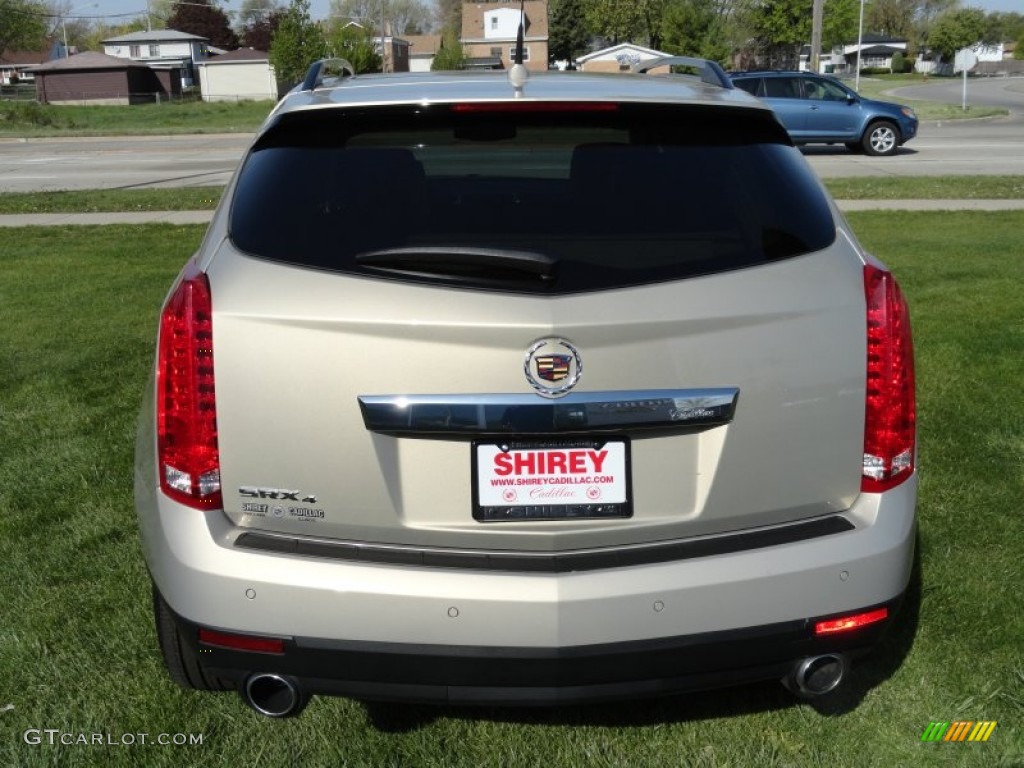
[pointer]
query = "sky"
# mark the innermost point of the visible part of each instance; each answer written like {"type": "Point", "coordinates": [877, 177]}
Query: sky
{"type": "Point", "coordinates": [114, 11]}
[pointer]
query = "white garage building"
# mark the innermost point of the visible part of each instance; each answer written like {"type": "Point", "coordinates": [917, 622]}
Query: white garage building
{"type": "Point", "coordinates": [240, 75]}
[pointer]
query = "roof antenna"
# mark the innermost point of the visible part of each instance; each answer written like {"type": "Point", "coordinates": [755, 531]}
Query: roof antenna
{"type": "Point", "coordinates": [518, 74]}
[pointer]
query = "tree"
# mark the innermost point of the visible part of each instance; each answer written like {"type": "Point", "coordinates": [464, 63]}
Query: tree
{"type": "Point", "coordinates": [928, 12]}
{"type": "Point", "coordinates": [567, 33]}
{"type": "Point", "coordinates": [157, 13]}
{"type": "Point", "coordinates": [252, 12]}
{"type": "Point", "coordinates": [1003, 27]}
{"type": "Point", "coordinates": [202, 18]}
{"type": "Point", "coordinates": [696, 28]}
{"type": "Point", "coordinates": [258, 33]}
{"type": "Point", "coordinates": [297, 43]}
{"type": "Point", "coordinates": [840, 22]}
{"type": "Point", "coordinates": [955, 30]}
{"type": "Point", "coordinates": [22, 25]}
{"type": "Point", "coordinates": [402, 17]}
{"type": "Point", "coordinates": [354, 44]}
{"type": "Point", "coordinates": [622, 21]}
{"type": "Point", "coordinates": [67, 23]}
{"type": "Point", "coordinates": [892, 18]}
{"type": "Point", "coordinates": [779, 29]}
{"type": "Point", "coordinates": [450, 16]}
{"type": "Point", "coordinates": [450, 55]}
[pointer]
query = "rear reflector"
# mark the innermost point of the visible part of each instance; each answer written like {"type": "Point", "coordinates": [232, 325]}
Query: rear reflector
{"type": "Point", "coordinates": [187, 451]}
{"type": "Point", "coordinates": [242, 642]}
{"type": "Point", "coordinates": [848, 623]}
{"type": "Point", "coordinates": [889, 417]}
{"type": "Point", "coordinates": [535, 106]}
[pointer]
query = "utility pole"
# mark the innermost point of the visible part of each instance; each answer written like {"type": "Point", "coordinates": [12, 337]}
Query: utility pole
{"type": "Point", "coordinates": [817, 12]}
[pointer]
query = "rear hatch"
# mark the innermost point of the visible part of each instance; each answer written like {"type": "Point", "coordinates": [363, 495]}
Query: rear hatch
{"type": "Point", "coordinates": [544, 330]}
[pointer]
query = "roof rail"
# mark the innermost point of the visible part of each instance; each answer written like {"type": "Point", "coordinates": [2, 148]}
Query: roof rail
{"type": "Point", "coordinates": [333, 67]}
{"type": "Point", "coordinates": [710, 71]}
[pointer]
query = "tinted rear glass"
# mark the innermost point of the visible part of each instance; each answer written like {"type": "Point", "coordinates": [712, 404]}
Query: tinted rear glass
{"type": "Point", "coordinates": [620, 196]}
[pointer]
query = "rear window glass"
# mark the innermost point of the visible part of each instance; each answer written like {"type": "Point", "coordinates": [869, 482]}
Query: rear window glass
{"type": "Point", "coordinates": [551, 201]}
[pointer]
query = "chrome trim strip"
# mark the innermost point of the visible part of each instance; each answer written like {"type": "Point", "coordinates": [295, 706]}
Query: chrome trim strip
{"type": "Point", "coordinates": [479, 415]}
{"type": "Point", "coordinates": [547, 562]}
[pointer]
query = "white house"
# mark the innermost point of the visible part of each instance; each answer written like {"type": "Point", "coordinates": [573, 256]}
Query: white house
{"type": "Point", "coordinates": [875, 51]}
{"type": "Point", "coordinates": [989, 52]}
{"type": "Point", "coordinates": [242, 75]}
{"type": "Point", "coordinates": [620, 58]}
{"type": "Point", "coordinates": [161, 49]}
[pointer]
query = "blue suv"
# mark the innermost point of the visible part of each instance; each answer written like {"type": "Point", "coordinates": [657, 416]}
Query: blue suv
{"type": "Point", "coordinates": [821, 110]}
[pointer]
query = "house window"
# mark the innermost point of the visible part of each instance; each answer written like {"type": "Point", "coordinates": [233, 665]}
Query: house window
{"type": "Point", "coordinates": [496, 51]}
{"type": "Point", "coordinates": [154, 50]}
{"type": "Point", "coordinates": [512, 53]}
{"type": "Point", "coordinates": [135, 51]}
{"type": "Point", "coordinates": [494, 22]}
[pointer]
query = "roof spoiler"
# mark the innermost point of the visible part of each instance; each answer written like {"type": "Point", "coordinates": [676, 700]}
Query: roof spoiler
{"type": "Point", "coordinates": [336, 68]}
{"type": "Point", "coordinates": [710, 72]}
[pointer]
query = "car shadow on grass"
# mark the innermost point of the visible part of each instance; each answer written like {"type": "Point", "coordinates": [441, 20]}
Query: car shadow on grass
{"type": "Point", "coordinates": [867, 673]}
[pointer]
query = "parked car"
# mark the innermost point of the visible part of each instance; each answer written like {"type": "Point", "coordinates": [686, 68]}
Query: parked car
{"type": "Point", "coordinates": [495, 390]}
{"type": "Point", "coordinates": [817, 109]}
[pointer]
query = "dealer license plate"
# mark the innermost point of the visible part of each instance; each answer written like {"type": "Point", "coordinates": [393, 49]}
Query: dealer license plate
{"type": "Point", "coordinates": [551, 480]}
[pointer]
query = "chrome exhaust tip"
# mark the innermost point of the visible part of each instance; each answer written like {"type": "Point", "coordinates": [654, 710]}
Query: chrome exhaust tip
{"type": "Point", "coordinates": [273, 695]}
{"type": "Point", "coordinates": [817, 675]}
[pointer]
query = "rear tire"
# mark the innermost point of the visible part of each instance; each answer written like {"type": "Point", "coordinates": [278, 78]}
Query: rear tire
{"type": "Point", "coordinates": [881, 138]}
{"type": "Point", "coordinates": [182, 664]}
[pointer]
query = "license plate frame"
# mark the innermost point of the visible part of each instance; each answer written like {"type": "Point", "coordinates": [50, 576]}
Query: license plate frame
{"type": "Point", "coordinates": [577, 479]}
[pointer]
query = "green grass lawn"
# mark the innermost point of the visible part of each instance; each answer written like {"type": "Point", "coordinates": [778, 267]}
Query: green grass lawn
{"type": "Point", "coordinates": [78, 310]}
{"type": "Point", "coordinates": [105, 200]}
{"type": "Point", "coordinates": [30, 118]}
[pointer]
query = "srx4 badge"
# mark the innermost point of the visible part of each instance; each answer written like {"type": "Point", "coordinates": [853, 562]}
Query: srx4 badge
{"type": "Point", "coordinates": [280, 494]}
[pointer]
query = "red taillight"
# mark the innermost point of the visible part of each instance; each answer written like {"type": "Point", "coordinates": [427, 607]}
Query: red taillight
{"type": "Point", "coordinates": [186, 411]}
{"type": "Point", "coordinates": [241, 642]}
{"type": "Point", "coordinates": [847, 623]}
{"type": "Point", "coordinates": [535, 106]}
{"type": "Point", "coordinates": [889, 420]}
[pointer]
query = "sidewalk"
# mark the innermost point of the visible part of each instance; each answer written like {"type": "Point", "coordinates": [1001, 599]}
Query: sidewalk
{"type": "Point", "coordinates": [121, 217]}
{"type": "Point", "coordinates": [203, 217]}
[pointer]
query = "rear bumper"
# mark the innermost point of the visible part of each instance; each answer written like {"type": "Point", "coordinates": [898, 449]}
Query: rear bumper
{"type": "Point", "coordinates": [205, 577]}
{"type": "Point", "coordinates": [533, 676]}
{"type": "Point", "coordinates": [444, 634]}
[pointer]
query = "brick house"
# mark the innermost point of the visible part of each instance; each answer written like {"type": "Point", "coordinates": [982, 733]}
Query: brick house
{"type": "Point", "coordinates": [95, 78]}
{"type": "Point", "coordinates": [489, 33]}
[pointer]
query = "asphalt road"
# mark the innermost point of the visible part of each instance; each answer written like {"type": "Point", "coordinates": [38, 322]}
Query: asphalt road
{"type": "Point", "coordinates": [959, 147]}
{"type": "Point", "coordinates": [122, 162]}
